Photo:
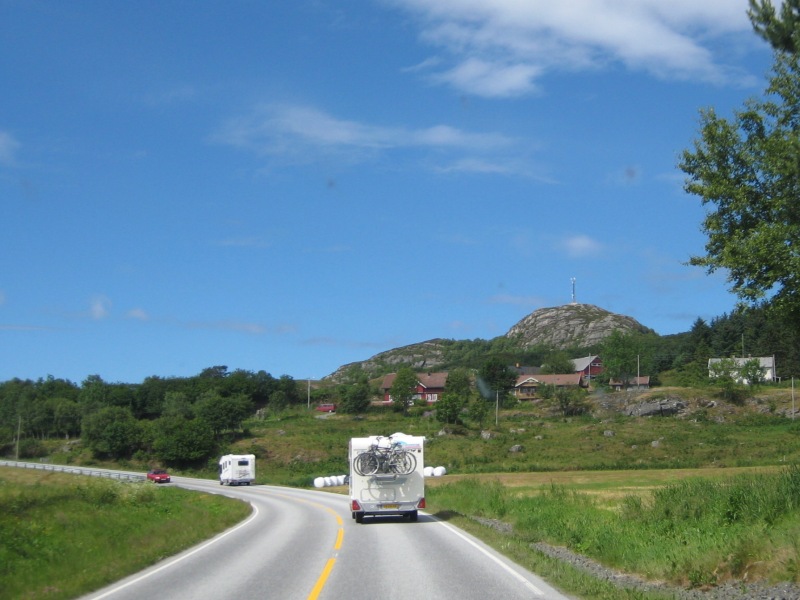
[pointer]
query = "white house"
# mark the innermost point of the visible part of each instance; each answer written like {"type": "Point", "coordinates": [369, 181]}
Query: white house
{"type": "Point", "coordinates": [767, 364]}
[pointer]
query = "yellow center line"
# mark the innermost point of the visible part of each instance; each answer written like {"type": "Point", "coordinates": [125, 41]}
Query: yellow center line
{"type": "Point", "coordinates": [339, 538]}
{"type": "Point", "coordinates": [323, 578]}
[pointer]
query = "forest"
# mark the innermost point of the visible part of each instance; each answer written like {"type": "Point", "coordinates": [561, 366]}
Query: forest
{"type": "Point", "coordinates": [184, 420]}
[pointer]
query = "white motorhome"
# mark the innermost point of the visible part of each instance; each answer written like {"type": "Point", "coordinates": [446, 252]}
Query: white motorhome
{"type": "Point", "coordinates": [237, 469]}
{"type": "Point", "coordinates": [386, 476]}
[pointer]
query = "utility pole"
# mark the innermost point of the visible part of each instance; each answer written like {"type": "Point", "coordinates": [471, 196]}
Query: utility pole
{"type": "Point", "coordinates": [19, 428]}
{"type": "Point", "coordinates": [638, 384]}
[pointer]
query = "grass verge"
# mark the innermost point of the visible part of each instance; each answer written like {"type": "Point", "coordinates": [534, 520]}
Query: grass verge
{"type": "Point", "coordinates": [693, 533]}
{"type": "Point", "coordinates": [558, 573]}
{"type": "Point", "coordinates": [64, 535]}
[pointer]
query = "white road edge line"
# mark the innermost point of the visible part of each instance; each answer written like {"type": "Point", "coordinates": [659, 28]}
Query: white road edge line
{"type": "Point", "coordinates": [180, 558]}
{"type": "Point", "coordinates": [524, 581]}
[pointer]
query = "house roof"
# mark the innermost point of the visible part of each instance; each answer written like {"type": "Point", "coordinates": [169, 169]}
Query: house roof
{"type": "Point", "coordinates": [432, 380]}
{"type": "Point", "coordinates": [765, 362]}
{"type": "Point", "coordinates": [426, 380]}
{"type": "Point", "coordinates": [566, 379]}
{"type": "Point", "coordinates": [582, 363]}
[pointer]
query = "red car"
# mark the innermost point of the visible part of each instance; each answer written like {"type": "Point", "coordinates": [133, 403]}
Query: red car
{"type": "Point", "coordinates": [158, 476]}
{"type": "Point", "coordinates": [328, 408]}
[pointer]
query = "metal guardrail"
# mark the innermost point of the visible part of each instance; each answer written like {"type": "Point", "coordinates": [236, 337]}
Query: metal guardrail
{"type": "Point", "coordinates": [120, 475]}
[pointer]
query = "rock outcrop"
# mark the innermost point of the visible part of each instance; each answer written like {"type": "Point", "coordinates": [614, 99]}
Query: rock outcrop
{"type": "Point", "coordinates": [562, 327]}
{"type": "Point", "coordinates": [571, 326]}
{"type": "Point", "coordinates": [423, 356]}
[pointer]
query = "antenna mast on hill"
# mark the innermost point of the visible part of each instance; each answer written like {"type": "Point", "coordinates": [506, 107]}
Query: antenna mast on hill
{"type": "Point", "coordinates": [572, 279]}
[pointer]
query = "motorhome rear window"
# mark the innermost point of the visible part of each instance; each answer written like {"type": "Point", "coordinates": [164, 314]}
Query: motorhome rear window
{"type": "Point", "coordinates": [243, 463]}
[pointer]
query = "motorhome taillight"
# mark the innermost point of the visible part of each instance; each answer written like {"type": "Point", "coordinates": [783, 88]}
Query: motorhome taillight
{"type": "Point", "coordinates": [421, 503]}
{"type": "Point", "coordinates": [354, 505]}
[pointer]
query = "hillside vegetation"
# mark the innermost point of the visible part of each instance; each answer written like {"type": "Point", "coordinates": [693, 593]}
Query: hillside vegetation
{"type": "Point", "coordinates": [602, 485]}
{"type": "Point", "coordinates": [63, 535]}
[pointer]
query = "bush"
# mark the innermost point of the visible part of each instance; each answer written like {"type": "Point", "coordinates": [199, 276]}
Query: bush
{"type": "Point", "coordinates": [30, 448]}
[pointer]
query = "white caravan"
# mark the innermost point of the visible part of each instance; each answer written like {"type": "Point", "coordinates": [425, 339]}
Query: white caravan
{"type": "Point", "coordinates": [237, 469]}
{"type": "Point", "coordinates": [386, 476]}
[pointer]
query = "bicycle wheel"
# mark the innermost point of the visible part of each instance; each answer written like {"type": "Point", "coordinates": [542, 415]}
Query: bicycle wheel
{"type": "Point", "coordinates": [365, 463]}
{"type": "Point", "coordinates": [403, 463]}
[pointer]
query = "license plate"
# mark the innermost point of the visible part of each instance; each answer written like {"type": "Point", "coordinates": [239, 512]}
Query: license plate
{"type": "Point", "coordinates": [394, 506]}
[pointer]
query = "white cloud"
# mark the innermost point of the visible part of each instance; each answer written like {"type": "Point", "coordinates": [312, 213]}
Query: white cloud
{"type": "Point", "coordinates": [8, 149]}
{"type": "Point", "coordinates": [476, 165]}
{"type": "Point", "coordinates": [274, 128]}
{"type": "Point", "coordinates": [500, 47]}
{"type": "Point", "coordinates": [139, 314]}
{"type": "Point", "coordinates": [302, 134]}
{"type": "Point", "coordinates": [580, 246]}
{"type": "Point", "coordinates": [100, 307]}
{"type": "Point", "coordinates": [489, 79]}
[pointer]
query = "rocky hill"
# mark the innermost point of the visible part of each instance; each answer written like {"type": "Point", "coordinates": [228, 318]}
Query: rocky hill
{"type": "Point", "coordinates": [572, 326]}
{"type": "Point", "coordinates": [561, 327]}
{"type": "Point", "coordinates": [424, 355]}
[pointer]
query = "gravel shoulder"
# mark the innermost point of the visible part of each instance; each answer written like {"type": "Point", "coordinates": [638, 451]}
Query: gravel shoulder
{"type": "Point", "coordinates": [727, 591]}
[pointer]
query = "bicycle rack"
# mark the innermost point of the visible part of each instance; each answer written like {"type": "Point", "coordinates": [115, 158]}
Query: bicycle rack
{"type": "Point", "coordinates": [385, 476]}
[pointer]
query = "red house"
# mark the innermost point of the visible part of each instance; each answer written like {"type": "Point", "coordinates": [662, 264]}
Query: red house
{"type": "Point", "coordinates": [588, 366]}
{"type": "Point", "coordinates": [430, 387]}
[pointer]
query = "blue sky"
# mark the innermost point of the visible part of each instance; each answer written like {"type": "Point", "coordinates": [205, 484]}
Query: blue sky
{"type": "Point", "coordinates": [294, 186]}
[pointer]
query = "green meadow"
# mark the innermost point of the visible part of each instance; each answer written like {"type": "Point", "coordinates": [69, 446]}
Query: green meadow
{"type": "Point", "coordinates": [696, 501]}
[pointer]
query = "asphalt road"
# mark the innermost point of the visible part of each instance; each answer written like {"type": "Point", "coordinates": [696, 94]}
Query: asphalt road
{"type": "Point", "coordinates": [303, 544]}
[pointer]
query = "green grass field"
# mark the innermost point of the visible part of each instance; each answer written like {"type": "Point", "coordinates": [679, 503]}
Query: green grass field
{"type": "Point", "coordinates": [696, 500]}
{"type": "Point", "coordinates": [64, 535]}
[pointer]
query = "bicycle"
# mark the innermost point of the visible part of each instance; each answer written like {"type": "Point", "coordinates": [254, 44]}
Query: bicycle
{"type": "Point", "coordinates": [385, 458]}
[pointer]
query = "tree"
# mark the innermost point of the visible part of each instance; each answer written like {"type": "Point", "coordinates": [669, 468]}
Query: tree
{"type": "Point", "coordinates": [179, 441]}
{"type": "Point", "coordinates": [459, 384]}
{"type": "Point", "coordinates": [288, 386]}
{"type": "Point", "coordinates": [478, 410]}
{"type": "Point", "coordinates": [112, 432]}
{"type": "Point", "coordinates": [745, 172]}
{"type": "Point", "coordinates": [558, 363]}
{"type": "Point", "coordinates": [619, 352]}
{"type": "Point", "coordinates": [356, 397]}
{"type": "Point", "coordinates": [751, 373]}
{"type": "Point", "coordinates": [725, 375]}
{"type": "Point", "coordinates": [780, 31]}
{"type": "Point", "coordinates": [176, 404]}
{"type": "Point", "coordinates": [94, 394]}
{"type": "Point", "coordinates": [66, 417]}
{"type": "Point", "coordinates": [215, 372]}
{"type": "Point", "coordinates": [457, 393]}
{"type": "Point", "coordinates": [571, 402]}
{"type": "Point", "coordinates": [403, 388]}
{"type": "Point", "coordinates": [223, 413]}
{"type": "Point", "coordinates": [495, 376]}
